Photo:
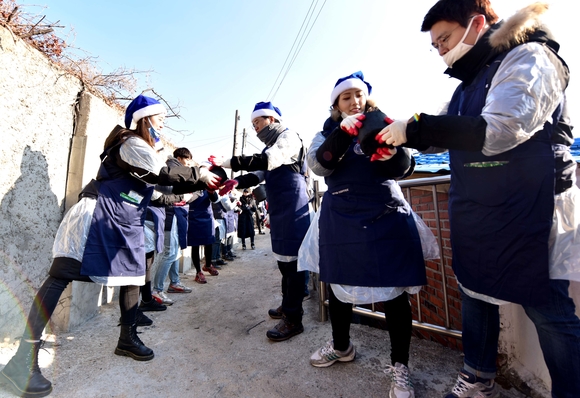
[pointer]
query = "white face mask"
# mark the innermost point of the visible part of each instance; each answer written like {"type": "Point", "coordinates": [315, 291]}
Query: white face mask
{"type": "Point", "coordinates": [453, 55]}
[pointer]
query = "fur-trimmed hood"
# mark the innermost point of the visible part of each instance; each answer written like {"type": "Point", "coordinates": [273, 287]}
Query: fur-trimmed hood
{"type": "Point", "coordinates": [523, 27]}
{"type": "Point", "coordinates": [518, 28]}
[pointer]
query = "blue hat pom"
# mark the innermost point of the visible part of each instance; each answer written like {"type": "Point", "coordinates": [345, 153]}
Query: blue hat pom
{"type": "Point", "coordinates": [141, 107]}
{"type": "Point", "coordinates": [266, 109]}
{"type": "Point", "coordinates": [354, 80]}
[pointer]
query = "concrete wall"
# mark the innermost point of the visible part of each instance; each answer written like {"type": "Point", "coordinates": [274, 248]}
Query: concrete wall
{"type": "Point", "coordinates": [519, 340]}
{"type": "Point", "coordinates": [49, 126]}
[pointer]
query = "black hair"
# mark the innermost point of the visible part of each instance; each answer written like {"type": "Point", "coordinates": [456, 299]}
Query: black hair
{"type": "Point", "coordinates": [182, 153]}
{"type": "Point", "coordinates": [458, 11]}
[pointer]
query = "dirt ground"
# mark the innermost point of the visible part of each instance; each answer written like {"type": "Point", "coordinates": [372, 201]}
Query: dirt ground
{"type": "Point", "coordinates": [212, 343]}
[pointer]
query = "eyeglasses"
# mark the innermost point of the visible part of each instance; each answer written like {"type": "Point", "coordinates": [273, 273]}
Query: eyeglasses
{"type": "Point", "coordinates": [444, 38]}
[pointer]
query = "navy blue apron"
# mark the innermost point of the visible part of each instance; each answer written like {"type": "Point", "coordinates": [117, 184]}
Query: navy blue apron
{"type": "Point", "coordinates": [288, 209]}
{"type": "Point", "coordinates": [157, 215]}
{"type": "Point", "coordinates": [500, 211]}
{"type": "Point", "coordinates": [367, 234]}
{"type": "Point", "coordinates": [200, 231]}
{"type": "Point", "coordinates": [115, 243]}
{"type": "Point", "coordinates": [181, 212]}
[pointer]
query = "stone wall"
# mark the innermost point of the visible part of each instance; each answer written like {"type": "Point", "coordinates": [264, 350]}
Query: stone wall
{"type": "Point", "coordinates": [49, 127]}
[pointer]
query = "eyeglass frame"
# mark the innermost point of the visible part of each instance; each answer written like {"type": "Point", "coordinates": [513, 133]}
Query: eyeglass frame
{"type": "Point", "coordinates": [443, 39]}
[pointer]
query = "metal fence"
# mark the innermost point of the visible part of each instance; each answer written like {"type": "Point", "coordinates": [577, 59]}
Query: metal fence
{"type": "Point", "coordinates": [406, 185]}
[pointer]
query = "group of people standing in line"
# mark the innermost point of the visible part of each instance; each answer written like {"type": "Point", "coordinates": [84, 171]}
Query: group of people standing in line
{"type": "Point", "coordinates": [512, 189]}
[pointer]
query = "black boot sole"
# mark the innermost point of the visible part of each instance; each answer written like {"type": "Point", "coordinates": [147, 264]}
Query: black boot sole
{"type": "Point", "coordinates": [125, 353]}
{"type": "Point", "coordinates": [8, 381]}
{"type": "Point", "coordinates": [283, 337]}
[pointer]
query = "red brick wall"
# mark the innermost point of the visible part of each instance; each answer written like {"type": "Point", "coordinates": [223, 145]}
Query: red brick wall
{"type": "Point", "coordinates": [432, 295]}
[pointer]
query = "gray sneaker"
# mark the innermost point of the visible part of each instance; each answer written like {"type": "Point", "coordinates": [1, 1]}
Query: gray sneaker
{"type": "Point", "coordinates": [467, 386]}
{"type": "Point", "coordinates": [401, 386]}
{"type": "Point", "coordinates": [178, 288]}
{"type": "Point", "coordinates": [327, 355]}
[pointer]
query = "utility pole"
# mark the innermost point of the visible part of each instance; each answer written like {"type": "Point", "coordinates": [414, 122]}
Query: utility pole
{"type": "Point", "coordinates": [235, 140]}
{"type": "Point", "coordinates": [243, 140]}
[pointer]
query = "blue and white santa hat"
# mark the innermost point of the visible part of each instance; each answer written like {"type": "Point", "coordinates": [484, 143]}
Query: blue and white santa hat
{"type": "Point", "coordinates": [266, 109]}
{"type": "Point", "coordinates": [141, 107]}
{"type": "Point", "coordinates": [354, 80]}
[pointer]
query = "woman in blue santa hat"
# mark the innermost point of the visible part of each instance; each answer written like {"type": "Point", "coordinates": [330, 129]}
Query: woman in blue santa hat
{"type": "Point", "coordinates": [370, 248]}
{"type": "Point", "coordinates": [101, 237]}
{"type": "Point", "coordinates": [281, 165]}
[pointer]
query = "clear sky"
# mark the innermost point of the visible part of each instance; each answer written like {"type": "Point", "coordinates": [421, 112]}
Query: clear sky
{"type": "Point", "coordinates": [216, 57]}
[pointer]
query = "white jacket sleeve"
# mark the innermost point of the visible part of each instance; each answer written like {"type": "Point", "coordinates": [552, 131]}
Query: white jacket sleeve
{"type": "Point", "coordinates": [285, 150]}
{"type": "Point", "coordinates": [524, 93]}
{"type": "Point", "coordinates": [311, 160]}
{"type": "Point", "coordinates": [138, 153]}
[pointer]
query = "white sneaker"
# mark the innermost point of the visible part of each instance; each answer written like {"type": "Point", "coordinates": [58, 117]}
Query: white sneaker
{"type": "Point", "coordinates": [401, 386]}
{"type": "Point", "coordinates": [162, 298]}
{"type": "Point", "coordinates": [467, 386]}
{"type": "Point", "coordinates": [327, 355]}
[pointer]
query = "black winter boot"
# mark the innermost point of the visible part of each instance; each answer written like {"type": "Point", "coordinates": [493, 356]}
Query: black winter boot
{"type": "Point", "coordinates": [22, 373]}
{"type": "Point", "coordinates": [284, 330]}
{"type": "Point", "coordinates": [130, 345]}
{"type": "Point", "coordinates": [141, 319]}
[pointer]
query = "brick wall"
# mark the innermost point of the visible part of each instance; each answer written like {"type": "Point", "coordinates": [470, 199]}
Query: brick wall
{"type": "Point", "coordinates": [432, 296]}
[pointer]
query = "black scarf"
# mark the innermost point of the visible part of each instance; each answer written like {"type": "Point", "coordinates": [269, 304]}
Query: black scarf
{"type": "Point", "coordinates": [269, 134]}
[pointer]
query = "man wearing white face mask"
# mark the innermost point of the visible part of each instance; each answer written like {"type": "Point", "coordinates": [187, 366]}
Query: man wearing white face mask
{"type": "Point", "coordinates": [506, 131]}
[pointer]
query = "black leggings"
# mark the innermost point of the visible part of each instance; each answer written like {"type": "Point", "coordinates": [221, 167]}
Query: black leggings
{"type": "Point", "coordinates": [63, 271]}
{"type": "Point", "coordinates": [145, 290]}
{"type": "Point", "coordinates": [399, 323]}
{"type": "Point", "coordinates": [195, 258]}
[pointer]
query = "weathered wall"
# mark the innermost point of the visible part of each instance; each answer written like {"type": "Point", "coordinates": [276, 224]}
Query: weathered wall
{"type": "Point", "coordinates": [39, 113]}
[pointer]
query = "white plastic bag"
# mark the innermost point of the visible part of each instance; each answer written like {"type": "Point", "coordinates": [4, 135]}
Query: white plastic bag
{"type": "Point", "coordinates": [428, 240]}
{"type": "Point", "coordinates": [308, 254]}
{"type": "Point", "coordinates": [565, 236]}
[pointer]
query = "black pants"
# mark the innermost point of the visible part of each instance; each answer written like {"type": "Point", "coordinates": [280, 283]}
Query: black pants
{"type": "Point", "coordinates": [292, 290]}
{"type": "Point", "coordinates": [195, 257]}
{"type": "Point", "coordinates": [399, 323]}
{"type": "Point", "coordinates": [63, 271]}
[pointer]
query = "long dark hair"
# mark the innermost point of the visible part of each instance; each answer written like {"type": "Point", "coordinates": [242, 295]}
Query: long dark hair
{"type": "Point", "coordinates": [120, 134]}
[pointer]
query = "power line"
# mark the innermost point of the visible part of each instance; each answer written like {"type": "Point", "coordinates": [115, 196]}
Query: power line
{"type": "Point", "coordinates": [301, 38]}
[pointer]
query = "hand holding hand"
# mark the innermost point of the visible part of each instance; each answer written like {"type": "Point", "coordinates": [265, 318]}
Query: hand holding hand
{"type": "Point", "coordinates": [383, 153]}
{"type": "Point", "coordinates": [394, 134]}
{"type": "Point", "coordinates": [351, 124]}
{"type": "Point", "coordinates": [227, 187]}
{"type": "Point", "coordinates": [211, 180]}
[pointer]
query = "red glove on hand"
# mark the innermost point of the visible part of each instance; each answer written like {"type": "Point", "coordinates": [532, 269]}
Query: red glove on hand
{"type": "Point", "coordinates": [210, 179]}
{"type": "Point", "coordinates": [383, 153]}
{"type": "Point", "coordinates": [215, 161]}
{"type": "Point", "coordinates": [227, 187]}
{"type": "Point", "coordinates": [351, 124]}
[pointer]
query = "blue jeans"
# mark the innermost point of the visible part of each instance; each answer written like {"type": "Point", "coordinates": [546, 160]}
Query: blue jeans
{"type": "Point", "coordinates": [558, 330]}
{"type": "Point", "coordinates": [170, 268]}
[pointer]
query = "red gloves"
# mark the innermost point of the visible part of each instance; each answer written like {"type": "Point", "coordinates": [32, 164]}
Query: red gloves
{"type": "Point", "coordinates": [227, 187]}
{"type": "Point", "coordinates": [351, 124]}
